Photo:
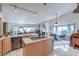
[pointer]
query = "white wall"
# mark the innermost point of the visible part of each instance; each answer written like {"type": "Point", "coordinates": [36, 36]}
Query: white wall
{"type": "Point", "coordinates": [1, 20]}
{"type": "Point", "coordinates": [47, 27]}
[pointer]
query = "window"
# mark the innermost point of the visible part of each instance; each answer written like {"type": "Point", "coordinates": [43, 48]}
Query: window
{"type": "Point", "coordinates": [63, 29]}
{"type": "Point", "coordinates": [18, 29]}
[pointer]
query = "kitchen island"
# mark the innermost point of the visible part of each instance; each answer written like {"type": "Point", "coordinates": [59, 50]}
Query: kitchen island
{"type": "Point", "coordinates": [39, 47]}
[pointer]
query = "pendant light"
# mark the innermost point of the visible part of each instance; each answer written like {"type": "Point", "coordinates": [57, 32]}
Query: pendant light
{"type": "Point", "coordinates": [56, 23]}
{"type": "Point", "coordinates": [56, 19]}
{"type": "Point", "coordinates": [15, 10]}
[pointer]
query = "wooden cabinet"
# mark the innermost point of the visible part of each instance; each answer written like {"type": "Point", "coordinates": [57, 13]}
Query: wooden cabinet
{"type": "Point", "coordinates": [46, 47]}
{"type": "Point", "coordinates": [6, 45]}
{"type": "Point", "coordinates": [0, 47]}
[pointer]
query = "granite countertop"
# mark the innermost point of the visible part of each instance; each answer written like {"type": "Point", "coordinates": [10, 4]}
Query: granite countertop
{"type": "Point", "coordinates": [4, 37]}
{"type": "Point", "coordinates": [28, 40]}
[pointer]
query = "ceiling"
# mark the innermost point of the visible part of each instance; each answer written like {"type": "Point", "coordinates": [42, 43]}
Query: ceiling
{"type": "Point", "coordinates": [44, 13]}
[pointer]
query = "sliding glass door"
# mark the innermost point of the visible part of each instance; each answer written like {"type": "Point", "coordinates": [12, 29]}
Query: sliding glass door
{"type": "Point", "coordinates": [63, 30]}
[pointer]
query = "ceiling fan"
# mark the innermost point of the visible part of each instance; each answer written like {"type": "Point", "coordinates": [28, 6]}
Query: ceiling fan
{"type": "Point", "coordinates": [77, 9]}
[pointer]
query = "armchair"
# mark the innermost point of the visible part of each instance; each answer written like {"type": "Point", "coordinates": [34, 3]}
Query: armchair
{"type": "Point", "coordinates": [74, 40]}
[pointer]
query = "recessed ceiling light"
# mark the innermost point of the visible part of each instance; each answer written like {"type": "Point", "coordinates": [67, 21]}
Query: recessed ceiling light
{"type": "Point", "coordinates": [35, 15]}
{"type": "Point", "coordinates": [15, 10]}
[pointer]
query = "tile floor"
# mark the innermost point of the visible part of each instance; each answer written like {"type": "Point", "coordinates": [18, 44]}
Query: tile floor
{"type": "Point", "coordinates": [61, 48]}
{"type": "Point", "coordinates": [17, 52]}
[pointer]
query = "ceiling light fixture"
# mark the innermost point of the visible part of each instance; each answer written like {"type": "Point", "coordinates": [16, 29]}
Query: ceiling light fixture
{"type": "Point", "coordinates": [56, 23]}
{"type": "Point", "coordinates": [23, 9]}
{"type": "Point", "coordinates": [56, 19]}
{"type": "Point", "coordinates": [15, 10]}
{"type": "Point", "coordinates": [35, 15]}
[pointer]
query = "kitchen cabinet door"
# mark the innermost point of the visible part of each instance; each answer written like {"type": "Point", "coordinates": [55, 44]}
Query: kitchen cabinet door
{"type": "Point", "coordinates": [6, 45]}
{"type": "Point", "coordinates": [0, 47]}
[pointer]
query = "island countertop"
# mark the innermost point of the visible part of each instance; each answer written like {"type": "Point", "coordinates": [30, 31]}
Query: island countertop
{"type": "Point", "coordinates": [23, 35]}
{"type": "Point", "coordinates": [39, 47]}
{"type": "Point", "coordinates": [28, 40]}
